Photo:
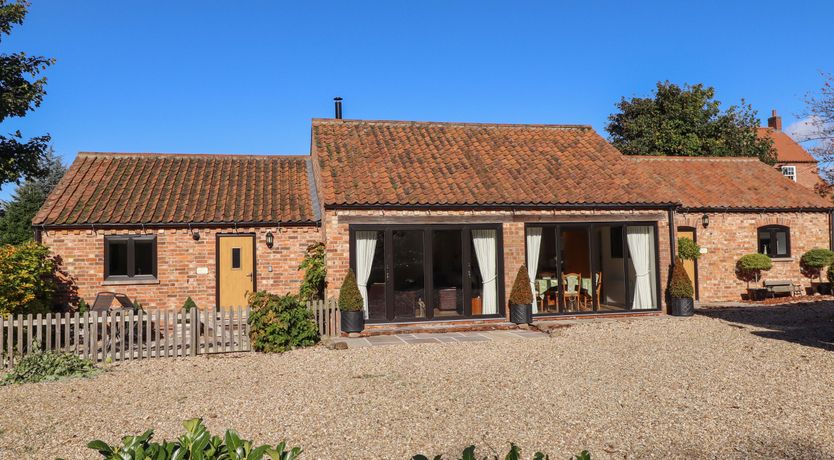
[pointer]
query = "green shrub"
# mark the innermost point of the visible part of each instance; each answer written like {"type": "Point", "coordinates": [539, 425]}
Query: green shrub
{"type": "Point", "coordinates": [688, 249]}
{"type": "Point", "coordinates": [680, 286]}
{"type": "Point", "coordinates": [280, 323]}
{"type": "Point", "coordinates": [812, 262]}
{"type": "Point", "coordinates": [750, 266]}
{"type": "Point", "coordinates": [196, 443]}
{"type": "Point", "coordinates": [521, 293]}
{"type": "Point", "coordinates": [83, 306]}
{"type": "Point", "coordinates": [315, 273]}
{"type": "Point", "coordinates": [513, 454]}
{"type": "Point", "coordinates": [350, 299]}
{"type": "Point", "coordinates": [43, 366]}
{"type": "Point", "coordinates": [27, 279]}
{"type": "Point", "coordinates": [188, 305]}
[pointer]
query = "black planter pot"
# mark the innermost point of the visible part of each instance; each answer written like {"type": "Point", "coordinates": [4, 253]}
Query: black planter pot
{"type": "Point", "coordinates": [824, 288]}
{"type": "Point", "coordinates": [681, 306]}
{"type": "Point", "coordinates": [353, 321]}
{"type": "Point", "coordinates": [521, 314]}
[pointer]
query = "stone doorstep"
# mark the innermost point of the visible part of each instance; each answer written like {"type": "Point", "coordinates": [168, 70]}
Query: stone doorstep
{"type": "Point", "coordinates": [419, 328]}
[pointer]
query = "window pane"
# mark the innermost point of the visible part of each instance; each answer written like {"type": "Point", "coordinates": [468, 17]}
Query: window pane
{"type": "Point", "coordinates": [764, 243]}
{"type": "Point", "coordinates": [409, 296]}
{"type": "Point", "coordinates": [781, 243]}
{"type": "Point", "coordinates": [143, 257]}
{"type": "Point", "coordinates": [235, 258]}
{"type": "Point", "coordinates": [484, 271]}
{"type": "Point", "coordinates": [576, 269]}
{"type": "Point", "coordinates": [373, 242]}
{"type": "Point", "coordinates": [447, 273]}
{"type": "Point", "coordinates": [117, 256]}
{"type": "Point", "coordinates": [610, 278]}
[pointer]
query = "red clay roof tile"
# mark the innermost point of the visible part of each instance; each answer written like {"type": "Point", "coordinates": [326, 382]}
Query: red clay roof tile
{"type": "Point", "coordinates": [787, 149]}
{"type": "Point", "coordinates": [128, 188]}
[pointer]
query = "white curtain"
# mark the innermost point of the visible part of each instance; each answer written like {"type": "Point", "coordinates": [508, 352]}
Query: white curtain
{"type": "Point", "coordinates": [641, 250]}
{"type": "Point", "coordinates": [484, 242]}
{"type": "Point", "coordinates": [365, 248]}
{"type": "Point", "coordinates": [534, 244]}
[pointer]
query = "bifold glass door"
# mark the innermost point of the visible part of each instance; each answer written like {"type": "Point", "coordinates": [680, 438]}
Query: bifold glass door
{"type": "Point", "coordinates": [586, 268]}
{"type": "Point", "coordinates": [408, 273]}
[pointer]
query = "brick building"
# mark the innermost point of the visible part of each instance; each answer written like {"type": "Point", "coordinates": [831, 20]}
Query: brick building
{"type": "Point", "coordinates": [435, 219]}
{"type": "Point", "coordinates": [793, 161]}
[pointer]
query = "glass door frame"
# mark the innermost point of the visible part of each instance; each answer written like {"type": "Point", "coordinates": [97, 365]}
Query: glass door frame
{"type": "Point", "coordinates": [466, 232]}
{"type": "Point", "coordinates": [593, 253]}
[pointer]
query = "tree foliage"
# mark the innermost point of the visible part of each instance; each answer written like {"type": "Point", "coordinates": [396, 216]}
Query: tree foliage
{"type": "Point", "coordinates": [687, 121]}
{"type": "Point", "coordinates": [315, 273]}
{"type": "Point", "coordinates": [814, 260]}
{"type": "Point", "coordinates": [21, 91]}
{"type": "Point", "coordinates": [819, 114]}
{"type": "Point", "coordinates": [750, 266]}
{"type": "Point", "coordinates": [16, 223]}
{"type": "Point", "coordinates": [350, 299]}
{"type": "Point", "coordinates": [521, 293]}
{"type": "Point", "coordinates": [27, 279]}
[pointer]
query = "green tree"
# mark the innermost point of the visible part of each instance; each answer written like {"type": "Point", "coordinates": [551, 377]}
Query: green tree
{"type": "Point", "coordinates": [687, 121]}
{"type": "Point", "coordinates": [20, 92]}
{"type": "Point", "coordinates": [16, 222]}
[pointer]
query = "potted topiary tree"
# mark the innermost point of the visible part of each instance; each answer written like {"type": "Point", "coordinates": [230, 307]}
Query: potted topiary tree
{"type": "Point", "coordinates": [521, 299]}
{"type": "Point", "coordinates": [750, 267]}
{"type": "Point", "coordinates": [681, 292]}
{"type": "Point", "coordinates": [688, 249]}
{"type": "Point", "coordinates": [351, 305]}
{"type": "Point", "coordinates": [812, 263]}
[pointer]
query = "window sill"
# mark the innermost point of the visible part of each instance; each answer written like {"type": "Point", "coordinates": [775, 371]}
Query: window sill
{"type": "Point", "coordinates": [782, 259]}
{"type": "Point", "coordinates": [128, 282]}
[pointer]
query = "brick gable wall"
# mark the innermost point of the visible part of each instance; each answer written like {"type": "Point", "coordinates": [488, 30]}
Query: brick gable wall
{"type": "Point", "coordinates": [807, 174]}
{"type": "Point", "coordinates": [732, 235]}
{"type": "Point", "coordinates": [178, 258]}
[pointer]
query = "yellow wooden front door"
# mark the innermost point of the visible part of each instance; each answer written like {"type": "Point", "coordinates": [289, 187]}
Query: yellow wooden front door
{"type": "Point", "coordinates": [236, 270]}
{"type": "Point", "coordinates": [689, 265]}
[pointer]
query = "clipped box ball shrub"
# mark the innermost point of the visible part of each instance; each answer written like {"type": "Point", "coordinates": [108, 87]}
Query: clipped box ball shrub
{"type": "Point", "coordinates": [814, 261]}
{"type": "Point", "coordinates": [750, 267]}
{"type": "Point", "coordinates": [280, 323]}
{"type": "Point", "coordinates": [688, 249]}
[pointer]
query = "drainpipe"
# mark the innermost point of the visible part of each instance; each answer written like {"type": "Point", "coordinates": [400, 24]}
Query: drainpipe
{"type": "Point", "coordinates": [831, 229]}
{"type": "Point", "coordinates": [672, 246]}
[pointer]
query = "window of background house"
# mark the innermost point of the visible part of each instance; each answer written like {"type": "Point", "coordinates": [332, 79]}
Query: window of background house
{"type": "Point", "coordinates": [775, 241]}
{"type": "Point", "coordinates": [129, 257]}
{"type": "Point", "coordinates": [789, 172]}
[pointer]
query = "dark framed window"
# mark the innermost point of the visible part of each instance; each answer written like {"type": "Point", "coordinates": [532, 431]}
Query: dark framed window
{"type": "Point", "coordinates": [129, 257]}
{"type": "Point", "coordinates": [775, 241]}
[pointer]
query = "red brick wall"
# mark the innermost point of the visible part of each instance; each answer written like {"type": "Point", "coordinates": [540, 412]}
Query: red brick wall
{"type": "Point", "coordinates": [807, 174]}
{"type": "Point", "coordinates": [178, 258]}
{"type": "Point", "coordinates": [732, 235]}
{"type": "Point", "coordinates": [338, 238]}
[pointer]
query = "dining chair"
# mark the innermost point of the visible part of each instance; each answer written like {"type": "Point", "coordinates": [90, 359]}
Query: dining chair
{"type": "Point", "coordinates": [570, 292]}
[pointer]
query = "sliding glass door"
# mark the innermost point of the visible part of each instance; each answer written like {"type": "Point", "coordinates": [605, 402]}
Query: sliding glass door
{"type": "Point", "coordinates": [428, 272]}
{"type": "Point", "coordinates": [587, 268]}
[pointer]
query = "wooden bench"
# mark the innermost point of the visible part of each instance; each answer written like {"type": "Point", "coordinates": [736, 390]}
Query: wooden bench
{"type": "Point", "coordinates": [775, 287]}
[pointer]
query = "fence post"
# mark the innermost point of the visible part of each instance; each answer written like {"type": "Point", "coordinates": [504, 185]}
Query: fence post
{"type": "Point", "coordinates": [192, 318]}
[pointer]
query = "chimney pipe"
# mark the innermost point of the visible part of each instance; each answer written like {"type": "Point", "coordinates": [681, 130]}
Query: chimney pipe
{"type": "Point", "coordinates": [338, 102]}
{"type": "Point", "coordinates": [775, 121]}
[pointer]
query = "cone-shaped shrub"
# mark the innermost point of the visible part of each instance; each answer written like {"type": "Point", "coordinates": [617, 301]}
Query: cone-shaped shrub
{"type": "Point", "coordinates": [681, 285]}
{"type": "Point", "coordinates": [350, 299]}
{"type": "Point", "coordinates": [521, 294]}
{"type": "Point", "coordinates": [189, 304]}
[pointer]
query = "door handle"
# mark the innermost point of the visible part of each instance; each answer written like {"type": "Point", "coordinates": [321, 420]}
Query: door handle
{"type": "Point", "coordinates": [249, 275]}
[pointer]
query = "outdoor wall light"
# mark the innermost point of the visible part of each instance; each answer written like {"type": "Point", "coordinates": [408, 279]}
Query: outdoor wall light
{"type": "Point", "coordinates": [195, 236]}
{"type": "Point", "coordinates": [270, 240]}
{"type": "Point", "coordinates": [705, 220]}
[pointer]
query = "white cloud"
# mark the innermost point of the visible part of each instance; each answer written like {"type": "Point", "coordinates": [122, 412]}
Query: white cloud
{"type": "Point", "coordinates": [807, 128]}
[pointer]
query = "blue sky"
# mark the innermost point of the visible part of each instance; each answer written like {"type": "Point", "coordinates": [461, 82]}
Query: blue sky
{"type": "Point", "coordinates": [247, 77]}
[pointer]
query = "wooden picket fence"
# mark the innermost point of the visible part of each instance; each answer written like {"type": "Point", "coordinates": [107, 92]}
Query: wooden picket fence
{"type": "Point", "coordinates": [124, 335]}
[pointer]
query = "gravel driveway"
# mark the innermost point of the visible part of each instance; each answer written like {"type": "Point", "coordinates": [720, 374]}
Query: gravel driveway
{"type": "Point", "coordinates": [725, 384]}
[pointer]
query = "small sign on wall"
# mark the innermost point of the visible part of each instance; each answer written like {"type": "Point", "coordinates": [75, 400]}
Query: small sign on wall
{"type": "Point", "coordinates": [703, 250]}
{"type": "Point", "coordinates": [202, 270]}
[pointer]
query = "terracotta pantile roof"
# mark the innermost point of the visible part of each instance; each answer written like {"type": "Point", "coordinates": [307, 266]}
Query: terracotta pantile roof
{"type": "Point", "coordinates": [727, 183]}
{"type": "Point", "coordinates": [118, 188]}
{"type": "Point", "coordinates": [787, 149]}
{"type": "Point", "coordinates": [398, 163]}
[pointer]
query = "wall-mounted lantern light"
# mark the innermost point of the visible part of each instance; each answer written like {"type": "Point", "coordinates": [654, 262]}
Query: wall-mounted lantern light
{"type": "Point", "coordinates": [270, 240]}
{"type": "Point", "coordinates": [195, 236]}
{"type": "Point", "coordinates": [705, 220]}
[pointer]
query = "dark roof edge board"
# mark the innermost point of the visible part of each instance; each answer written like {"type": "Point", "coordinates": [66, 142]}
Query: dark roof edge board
{"type": "Point", "coordinates": [751, 209]}
{"type": "Point", "coordinates": [507, 206]}
{"type": "Point", "coordinates": [90, 226]}
{"type": "Point", "coordinates": [314, 192]}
